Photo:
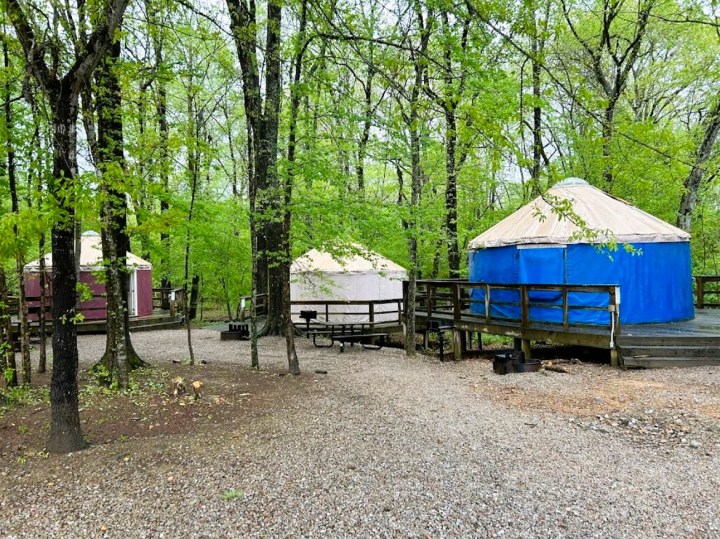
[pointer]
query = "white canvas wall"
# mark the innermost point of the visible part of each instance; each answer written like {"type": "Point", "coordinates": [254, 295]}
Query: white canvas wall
{"type": "Point", "coordinates": [364, 286]}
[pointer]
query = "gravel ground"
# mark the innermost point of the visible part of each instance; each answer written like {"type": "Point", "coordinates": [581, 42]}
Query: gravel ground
{"type": "Point", "coordinates": [389, 446]}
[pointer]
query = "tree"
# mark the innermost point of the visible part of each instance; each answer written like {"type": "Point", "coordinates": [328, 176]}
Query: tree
{"type": "Point", "coordinates": [266, 196]}
{"type": "Point", "coordinates": [611, 52]}
{"type": "Point", "coordinates": [711, 130]}
{"type": "Point", "coordinates": [120, 356]}
{"type": "Point", "coordinates": [62, 93]}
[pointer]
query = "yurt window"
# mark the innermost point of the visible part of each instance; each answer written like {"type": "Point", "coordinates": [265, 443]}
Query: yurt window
{"type": "Point", "coordinates": [541, 264]}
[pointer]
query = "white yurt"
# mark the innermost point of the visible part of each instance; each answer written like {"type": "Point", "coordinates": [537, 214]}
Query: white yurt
{"type": "Point", "coordinates": [357, 274]}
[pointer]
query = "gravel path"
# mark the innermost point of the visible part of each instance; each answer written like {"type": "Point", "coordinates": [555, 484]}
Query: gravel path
{"type": "Point", "coordinates": [384, 446]}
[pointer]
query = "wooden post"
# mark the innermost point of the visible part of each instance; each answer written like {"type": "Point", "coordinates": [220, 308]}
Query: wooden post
{"type": "Point", "coordinates": [566, 320]}
{"type": "Point", "coordinates": [457, 344]}
{"type": "Point", "coordinates": [699, 291]}
{"type": "Point", "coordinates": [524, 306]}
{"type": "Point", "coordinates": [525, 345]}
{"type": "Point", "coordinates": [429, 290]}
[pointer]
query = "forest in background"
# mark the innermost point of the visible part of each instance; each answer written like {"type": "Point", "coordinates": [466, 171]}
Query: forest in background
{"type": "Point", "coordinates": [483, 104]}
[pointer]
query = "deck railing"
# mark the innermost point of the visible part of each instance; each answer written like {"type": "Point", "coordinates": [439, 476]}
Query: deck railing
{"type": "Point", "coordinates": [702, 290]}
{"type": "Point", "coordinates": [527, 306]}
{"type": "Point", "coordinates": [172, 299]}
{"type": "Point", "coordinates": [386, 311]}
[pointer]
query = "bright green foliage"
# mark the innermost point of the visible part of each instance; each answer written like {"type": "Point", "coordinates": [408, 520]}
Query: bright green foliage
{"type": "Point", "coordinates": [358, 68]}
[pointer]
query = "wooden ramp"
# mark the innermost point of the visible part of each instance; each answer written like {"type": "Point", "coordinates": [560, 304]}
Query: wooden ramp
{"type": "Point", "coordinates": [137, 323]}
{"type": "Point", "coordinates": [680, 344]}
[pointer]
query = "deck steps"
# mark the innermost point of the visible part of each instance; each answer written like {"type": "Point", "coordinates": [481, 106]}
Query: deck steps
{"type": "Point", "coordinates": [669, 351]}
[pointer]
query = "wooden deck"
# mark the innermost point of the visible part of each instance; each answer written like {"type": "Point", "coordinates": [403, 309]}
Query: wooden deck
{"type": "Point", "coordinates": [679, 344]}
{"type": "Point", "coordinates": [690, 343]}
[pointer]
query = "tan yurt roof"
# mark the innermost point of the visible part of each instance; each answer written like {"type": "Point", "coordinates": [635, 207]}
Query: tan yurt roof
{"type": "Point", "coordinates": [91, 256]}
{"type": "Point", "coordinates": [606, 218]}
{"type": "Point", "coordinates": [360, 260]}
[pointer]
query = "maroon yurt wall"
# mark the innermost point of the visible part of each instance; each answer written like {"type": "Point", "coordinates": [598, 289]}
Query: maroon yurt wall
{"type": "Point", "coordinates": [144, 292]}
{"type": "Point", "coordinates": [94, 308]}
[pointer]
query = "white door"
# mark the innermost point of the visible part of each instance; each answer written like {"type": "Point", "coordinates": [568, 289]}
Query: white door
{"type": "Point", "coordinates": [132, 294]}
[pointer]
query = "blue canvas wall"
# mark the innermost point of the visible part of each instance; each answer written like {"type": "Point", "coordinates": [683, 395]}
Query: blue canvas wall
{"type": "Point", "coordinates": [655, 283]}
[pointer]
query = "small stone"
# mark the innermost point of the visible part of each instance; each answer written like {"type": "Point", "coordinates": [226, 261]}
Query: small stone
{"type": "Point", "coordinates": [695, 444]}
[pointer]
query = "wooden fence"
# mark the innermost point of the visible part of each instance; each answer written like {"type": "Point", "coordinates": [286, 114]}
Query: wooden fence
{"type": "Point", "coordinates": [707, 285]}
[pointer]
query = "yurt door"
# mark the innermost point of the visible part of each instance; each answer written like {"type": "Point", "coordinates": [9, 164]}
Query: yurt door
{"type": "Point", "coordinates": [132, 294]}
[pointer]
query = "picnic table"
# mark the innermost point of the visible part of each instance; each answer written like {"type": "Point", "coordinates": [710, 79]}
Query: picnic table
{"type": "Point", "coordinates": [347, 332]}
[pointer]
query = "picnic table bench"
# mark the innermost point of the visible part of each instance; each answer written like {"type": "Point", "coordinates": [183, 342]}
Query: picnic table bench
{"type": "Point", "coordinates": [367, 340]}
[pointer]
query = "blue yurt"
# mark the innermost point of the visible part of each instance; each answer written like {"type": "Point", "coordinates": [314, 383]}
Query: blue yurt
{"type": "Point", "coordinates": [544, 243]}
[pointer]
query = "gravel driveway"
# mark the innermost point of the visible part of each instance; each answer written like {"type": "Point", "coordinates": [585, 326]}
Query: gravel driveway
{"type": "Point", "coordinates": [388, 446]}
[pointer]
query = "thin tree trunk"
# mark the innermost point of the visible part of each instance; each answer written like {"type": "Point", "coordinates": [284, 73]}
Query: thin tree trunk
{"type": "Point", "coordinates": [694, 181]}
{"type": "Point", "coordinates": [42, 361]}
{"type": "Point", "coordinates": [9, 369]}
{"type": "Point", "coordinates": [608, 128]}
{"type": "Point", "coordinates": [193, 163]}
{"type": "Point", "coordinates": [194, 296]}
{"type": "Point", "coordinates": [19, 263]}
{"type": "Point", "coordinates": [289, 329]}
{"type": "Point", "coordinates": [537, 49]}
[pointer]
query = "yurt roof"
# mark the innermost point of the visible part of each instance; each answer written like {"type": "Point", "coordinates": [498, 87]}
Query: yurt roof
{"type": "Point", "coordinates": [605, 217]}
{"type": "Point", "coordinates": [360, 260]}
{"type": "Point", "coordinates": [91, 256]}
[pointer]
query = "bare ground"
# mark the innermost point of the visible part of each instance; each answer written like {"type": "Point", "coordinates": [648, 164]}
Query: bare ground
{"type": "Point", "coordinates": [369, 443]}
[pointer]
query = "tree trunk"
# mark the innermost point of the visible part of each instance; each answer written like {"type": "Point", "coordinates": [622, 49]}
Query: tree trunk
{"type": "Point", "coordinates": [263, 124]}
{"type": "Point", "coordinates": [451, 227]}
{"type": "Point", "coordinates": [63, 96]}
{"type": "Point", "coordinates": [65, 433]}
{"type": "Point", "coordinates": [9, 369]}
{"type": "Point", "coordinates": [110, 162]}
{"type": "Point", "coordinates": [608, 128]}
{"type": "Point", "coordinates": [194, 296]}
{"type": "Point", "coordinates": [694, 181]}
{"type": "Point", "coordinates": [42, 361]}
{"type": "Point", "coordinates": [19, 263]}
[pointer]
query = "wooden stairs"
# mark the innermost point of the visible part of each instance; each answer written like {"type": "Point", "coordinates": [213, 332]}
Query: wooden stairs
{"type": "Point", "coordinates": [653, 351]}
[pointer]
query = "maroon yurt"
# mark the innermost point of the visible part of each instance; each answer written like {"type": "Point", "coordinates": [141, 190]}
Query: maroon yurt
{"type": "Point", "coordinates": [91, 274]}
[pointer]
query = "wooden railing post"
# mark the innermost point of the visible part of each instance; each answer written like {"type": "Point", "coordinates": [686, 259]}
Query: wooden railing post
{"type": "Point", "coordinates": [371, 312]}
{"type": "Point", "coordinates": [430, 290]}
{"type": "Point", "coordinates": [457, 307]}
{"type": "Point", "coordinates": [403, 313]}
{"type": "Point", "coordinates": [699, 291]}
{"type": "Point", "coordinates": [524, 306]}
{"type": "Point", "coordinates": [566, 321]}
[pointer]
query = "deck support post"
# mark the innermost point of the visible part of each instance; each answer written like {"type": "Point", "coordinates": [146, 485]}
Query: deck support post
{"type": "Point", "coordinates": [457, 344]}
{"type": "Point", "coordinates": [525, 347]}
{"type": "Point", "coordinates": [614, 357]}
